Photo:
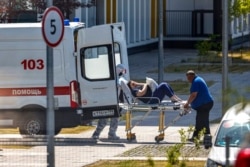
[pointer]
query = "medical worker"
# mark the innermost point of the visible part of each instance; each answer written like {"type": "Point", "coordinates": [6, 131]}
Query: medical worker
{"type": "Point", "coordinates": [120, 71]}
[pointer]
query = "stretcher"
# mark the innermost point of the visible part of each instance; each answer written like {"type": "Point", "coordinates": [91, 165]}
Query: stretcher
{"type": "Point", "coordinates": [131, 104]}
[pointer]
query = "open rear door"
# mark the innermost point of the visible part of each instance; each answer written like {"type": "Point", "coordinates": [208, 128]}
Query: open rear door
{"type": "Point", "coordinates": [96, 72]}
{"type": "Point", "coordinates": [120, 47]}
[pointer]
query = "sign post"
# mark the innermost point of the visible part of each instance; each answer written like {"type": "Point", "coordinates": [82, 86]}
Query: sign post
{"type": "Point", "coordinates": [52, 31]}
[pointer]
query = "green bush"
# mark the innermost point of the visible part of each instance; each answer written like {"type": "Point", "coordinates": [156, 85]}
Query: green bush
{"type": "Point", "coordinates": [174, 152]}
{"type": "Point", "coordinates": [204, 47]}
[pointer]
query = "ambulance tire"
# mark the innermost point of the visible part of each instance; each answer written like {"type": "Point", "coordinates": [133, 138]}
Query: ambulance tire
{"type": "Point", "coordinates": [33, 125]}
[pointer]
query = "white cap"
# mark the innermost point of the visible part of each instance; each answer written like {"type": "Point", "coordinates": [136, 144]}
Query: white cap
{"type": "Point", "coordinates": [120, 69]}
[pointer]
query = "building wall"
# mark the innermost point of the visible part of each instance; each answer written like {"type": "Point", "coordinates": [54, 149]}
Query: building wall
{"type": "Point", "coordinates": [203, 4]}
{"type": "Point", "coordinates": [87, 15]}
{"type": "Point", "coordinates": [202, 20]}
{"type": "Point", "coordinates": [175, 5]}
{"type": "Point", "coordinates": [139, 16]}
{"type": "Point", "coordinates": [189, 4]}
{"type": "Point", "coordinates": [141, 19]}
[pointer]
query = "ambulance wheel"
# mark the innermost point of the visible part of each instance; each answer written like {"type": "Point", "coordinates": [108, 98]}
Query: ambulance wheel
{"type": "Point", "coordinates": [33, 124]}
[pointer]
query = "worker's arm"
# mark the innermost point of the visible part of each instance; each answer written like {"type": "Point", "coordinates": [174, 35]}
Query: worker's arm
{"type": "Point", "coordinates": [190, 99]}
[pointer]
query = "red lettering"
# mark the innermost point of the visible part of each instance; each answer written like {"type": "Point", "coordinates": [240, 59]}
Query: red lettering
{"type": "Point", "coordinates": [40, 65]}
{"type": "Point", "coordinates": [32, 64]}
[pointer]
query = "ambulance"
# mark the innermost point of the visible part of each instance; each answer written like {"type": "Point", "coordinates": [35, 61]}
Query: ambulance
{"type": "Point", "coordinates": [84, 70]}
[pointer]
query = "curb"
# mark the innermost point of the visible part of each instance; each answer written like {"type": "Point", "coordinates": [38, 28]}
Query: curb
{"type": "Point", "coordinates": [153, 158]}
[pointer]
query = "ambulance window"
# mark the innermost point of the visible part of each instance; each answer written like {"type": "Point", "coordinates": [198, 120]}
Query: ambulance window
{"type": "Point", "coordinates": [117, 53]}
{"type": "Point", "coordinates": [97, 63]}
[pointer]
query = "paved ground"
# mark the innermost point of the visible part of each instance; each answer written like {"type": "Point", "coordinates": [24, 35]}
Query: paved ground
{"type": "Point", "coordinates": [142, 65]}
{"type": "Point", "coordinates": [89, 151]}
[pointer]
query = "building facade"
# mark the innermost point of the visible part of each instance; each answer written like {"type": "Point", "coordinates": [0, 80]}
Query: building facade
{"type": "Point", "coordinates": [185, 22]}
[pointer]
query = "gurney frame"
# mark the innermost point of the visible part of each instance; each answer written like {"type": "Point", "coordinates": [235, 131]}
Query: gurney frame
{"type": "Point", "coordinates": [162, 107]}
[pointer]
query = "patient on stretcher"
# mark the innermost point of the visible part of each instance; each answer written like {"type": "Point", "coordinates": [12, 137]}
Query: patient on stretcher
{"type": "Point", "coordinates": [152, 94]}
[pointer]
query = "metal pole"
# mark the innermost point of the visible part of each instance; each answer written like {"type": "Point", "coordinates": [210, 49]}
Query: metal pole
{"type": "Point", "coordinates": [227, 139]}
{"type": "Point", "coordinates": [50, 109]}
{"type": "Point", "coordinates": [160, 44]}
{"type": "Point", "coordinates": [50, 105]}
{"type": "Point", "coordinates": [225, 54]}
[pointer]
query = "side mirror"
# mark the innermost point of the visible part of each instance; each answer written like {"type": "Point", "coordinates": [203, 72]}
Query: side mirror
{"type": "Point", "coordinates": [207, 141]}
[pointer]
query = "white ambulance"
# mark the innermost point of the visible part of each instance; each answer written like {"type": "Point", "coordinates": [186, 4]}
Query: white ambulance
{"type": "Point", "coordinates": [85, 81]}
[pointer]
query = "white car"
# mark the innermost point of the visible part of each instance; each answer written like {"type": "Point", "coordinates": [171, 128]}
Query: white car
{"type": "Point", "coordinates": [234, 125]}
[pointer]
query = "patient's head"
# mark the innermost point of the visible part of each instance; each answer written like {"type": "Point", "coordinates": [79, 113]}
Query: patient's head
{"type": "Point", "coordinates": [131, 84]}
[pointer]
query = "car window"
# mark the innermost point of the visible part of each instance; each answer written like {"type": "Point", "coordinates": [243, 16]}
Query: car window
{"type": "Point", "coordinates": [234, 130]}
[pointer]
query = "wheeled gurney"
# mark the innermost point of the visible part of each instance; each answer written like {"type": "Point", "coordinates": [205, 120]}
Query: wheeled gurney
{"type": "Point", "coordinates": [131, 104]}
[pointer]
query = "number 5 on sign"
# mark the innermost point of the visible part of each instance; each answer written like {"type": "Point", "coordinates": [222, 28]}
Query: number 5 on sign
{"type": "Point", "coordinates": [52, 26]}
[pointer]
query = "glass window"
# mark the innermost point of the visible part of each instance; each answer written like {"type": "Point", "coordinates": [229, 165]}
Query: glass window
{"type": "Point", "coordinates": [96, 63]}
{"type": "Point", "coordinates": [234, 130]}
{"type": "Point", "coordinates": [117, 54]}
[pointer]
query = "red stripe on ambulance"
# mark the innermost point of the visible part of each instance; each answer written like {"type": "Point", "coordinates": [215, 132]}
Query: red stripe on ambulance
{"type": "Point", "coordinates": [72, 90]}
{"type": "Point", "coordinates": [33, 91]}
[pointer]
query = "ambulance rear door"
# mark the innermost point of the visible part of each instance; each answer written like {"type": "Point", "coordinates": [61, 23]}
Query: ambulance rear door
{"type": "Point", "coordinates": [96, 72]}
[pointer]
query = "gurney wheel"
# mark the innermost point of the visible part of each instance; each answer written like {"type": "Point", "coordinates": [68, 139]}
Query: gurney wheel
{"type": "Point", "coordinates": [131, 136]}
{"type": "Point", "coordinates": [159, 138]}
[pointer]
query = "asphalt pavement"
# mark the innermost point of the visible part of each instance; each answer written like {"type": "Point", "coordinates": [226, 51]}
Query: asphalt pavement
{"type": "Point", "coordinates": [142, 65]}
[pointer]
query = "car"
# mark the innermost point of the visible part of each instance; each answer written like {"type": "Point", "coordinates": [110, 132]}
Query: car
{"type": "Point", "coordinates": [231, 132]}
